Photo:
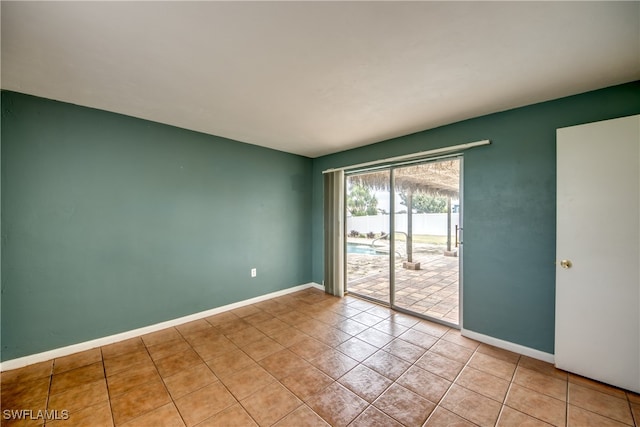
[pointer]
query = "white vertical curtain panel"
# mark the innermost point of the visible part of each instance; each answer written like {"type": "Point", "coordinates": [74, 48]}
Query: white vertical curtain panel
{"type": "Point", "coordinates": [334, 232]}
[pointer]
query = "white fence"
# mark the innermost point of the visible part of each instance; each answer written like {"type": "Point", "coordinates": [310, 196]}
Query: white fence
{"type": "Point", "coordinates": [434, 224]}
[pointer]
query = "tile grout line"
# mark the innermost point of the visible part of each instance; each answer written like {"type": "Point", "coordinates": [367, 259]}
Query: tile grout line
{"type": "Point", "coordinates": [567, 403]}
{"type": "Point", "coordinates": [633, 416]}
{"type": "Point", "coordinates": [258, 363]}
{"type": "Point", "coordinates": [106, 384]}
{"type": "Point", "coordinates": [633, 420]}
{"type": "Point", "coordinates": [412, 364]}
{"type": "Point", "coordinates": [256, 391]}
{"type": "Point", "coordinates": [506, 395]}
{"type": "Point", "coordinates": [453, 381]}
{"type": "Point", "coordinates": [372, 327]}
{"type": "Point", "coordinates": [369, 404]}
{"type": "Point", "coordinates": [146, 348]}
{"type": "Point", "coordinates": [334, 381]}
{"type": "Point", "coordinates": [214, 374]}
{"type": "Point", "coordinates": [49, 389]}
{"type": "Point", "coordinates": [566, 418]}
{"type": "Point", "coordinates": [173, 402]}
{"type": "Point", "coordinates": [124, 370]}
{"type": "Point", "coordinates": [511, 383]}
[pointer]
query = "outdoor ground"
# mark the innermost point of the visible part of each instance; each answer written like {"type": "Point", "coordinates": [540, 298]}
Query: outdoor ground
{"type": "Point", "coordinates": [431, 291]}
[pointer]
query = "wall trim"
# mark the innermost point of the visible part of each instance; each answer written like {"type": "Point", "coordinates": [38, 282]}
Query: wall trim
{"type": "Point", "coordinates": [317, 286]}
{"type": "Point", "coordinates": [99, 342]}
{"type": "Point", "coordinates": [508, 345]}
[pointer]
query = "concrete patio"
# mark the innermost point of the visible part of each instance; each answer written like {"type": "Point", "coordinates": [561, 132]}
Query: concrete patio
{"type": "Point", "coordinates": [431, 291]}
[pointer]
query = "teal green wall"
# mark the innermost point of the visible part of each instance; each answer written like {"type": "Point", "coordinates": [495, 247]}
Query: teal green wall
{"type": "Point", "coordinates": [509, 207]}
{"type": "Point", "coordinates": [111, 223]}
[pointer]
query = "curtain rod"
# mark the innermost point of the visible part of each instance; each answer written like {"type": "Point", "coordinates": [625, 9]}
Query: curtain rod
{"type": "Point", "coordinates": [414, 156]}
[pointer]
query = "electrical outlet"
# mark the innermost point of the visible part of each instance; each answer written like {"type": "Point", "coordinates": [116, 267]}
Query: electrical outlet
{"type": "Point", "coordinates": [254, 272]}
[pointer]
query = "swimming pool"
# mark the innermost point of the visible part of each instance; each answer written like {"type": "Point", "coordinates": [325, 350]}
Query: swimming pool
{"type": "Point", "coordinates": [356, 248]}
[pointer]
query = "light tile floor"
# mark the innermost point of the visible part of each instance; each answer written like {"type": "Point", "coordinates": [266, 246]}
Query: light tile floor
{"type": "Point", "coordinates": [309, 359]}
{"type": "Point", "coordinates": [431, 291]}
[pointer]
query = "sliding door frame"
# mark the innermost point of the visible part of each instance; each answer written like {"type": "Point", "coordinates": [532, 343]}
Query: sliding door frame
{"type": "Point", "coordinates": [347, 175]}
{"type": "Point", "coordinates": [392, 241]}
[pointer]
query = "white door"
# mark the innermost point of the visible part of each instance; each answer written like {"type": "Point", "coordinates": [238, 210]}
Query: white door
{"type": "Point", "coordinates": [598, 230]}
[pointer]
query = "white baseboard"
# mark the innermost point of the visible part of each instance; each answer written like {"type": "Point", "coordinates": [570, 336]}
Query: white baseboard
{"type": "Point", "coordinates": [99, 342]}
{"type": "Point", "coordinates": [507, 345]}
{"type": "Point", "coordinates": [316, 285]}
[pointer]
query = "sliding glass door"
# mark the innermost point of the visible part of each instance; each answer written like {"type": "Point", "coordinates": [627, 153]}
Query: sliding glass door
{"type": "Point", "coordinates": [426, 219]}
{"type": "Point", "coordinates": [403, 226]}
{"type": "Point", "coordinates": [367, 240]}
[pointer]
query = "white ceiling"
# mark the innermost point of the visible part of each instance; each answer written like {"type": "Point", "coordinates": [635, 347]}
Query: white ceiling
{"type": "Point", "coordinates": [314, 78]}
